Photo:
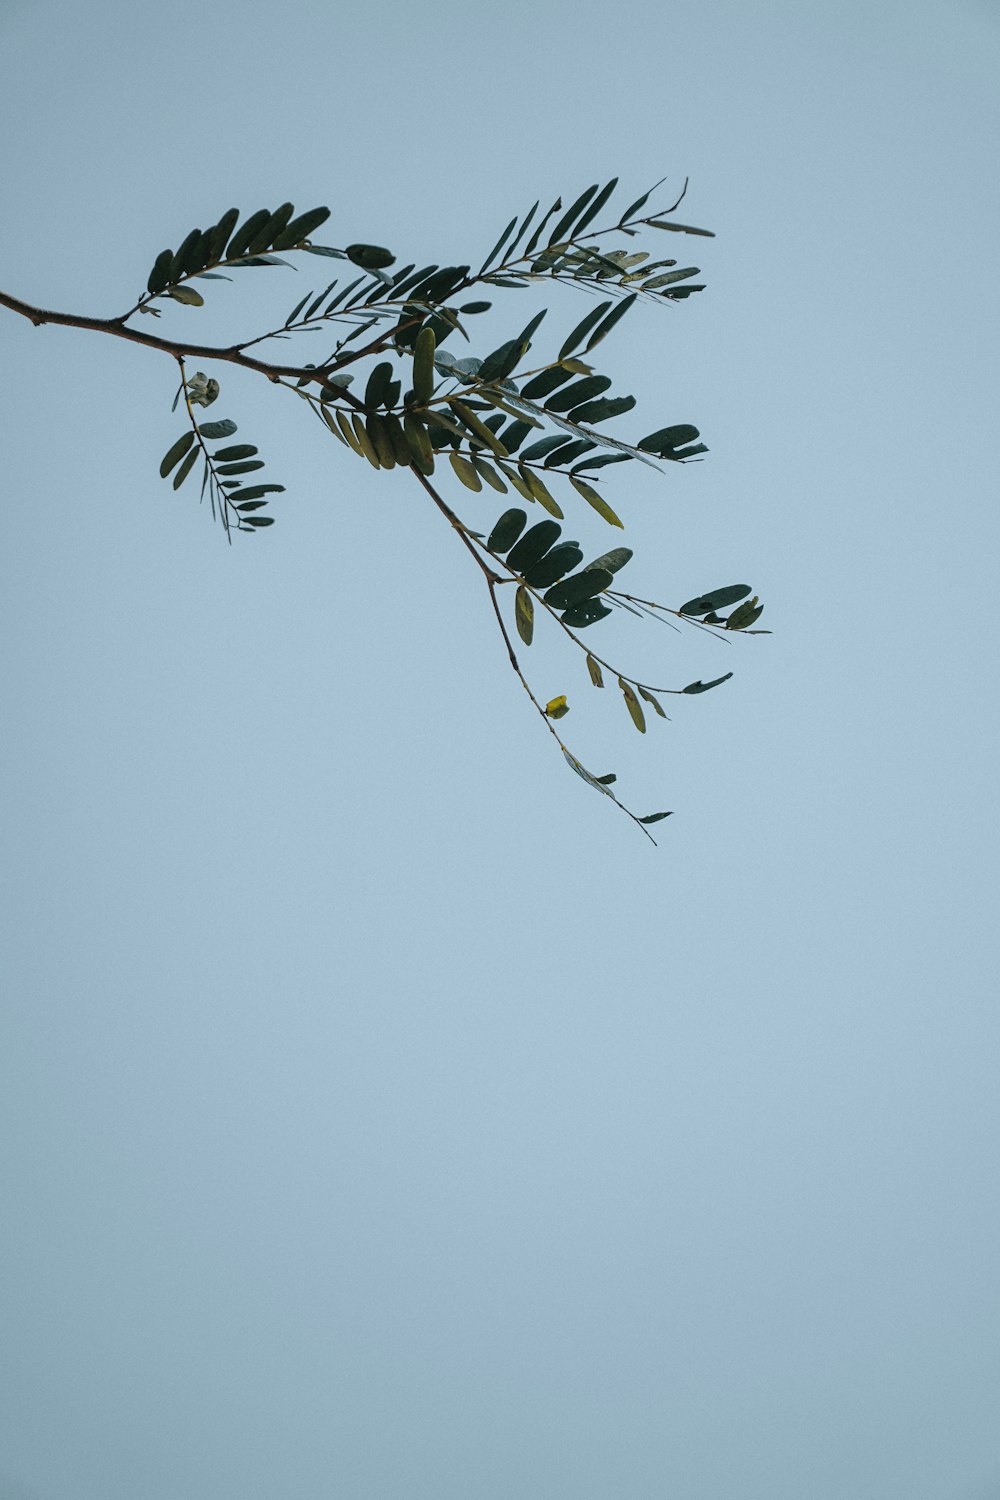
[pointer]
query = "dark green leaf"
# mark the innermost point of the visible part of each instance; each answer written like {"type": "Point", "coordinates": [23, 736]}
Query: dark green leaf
{"type": "Point", "coordinates": [270, 229]}
{"type": "Point", "coordinates": [604, 328]}
{"type": "Point", "coordinates": [665, 439]}
{"type": "Point", "coordinates": [423, 366]}
{"type": "Point", "coordinates": [185, 468]}
{"type": "Point", "coordinates": [634, 208]}
{"type": "Point", "coordinates": [568, 451]}
{"type": "Point", "coordinates": [489, 474]}
{"type": "Point", "coordinates": [301, 228]}
{"type": "Point", "coordinates": [247, 467]}
{"type": "Point", "coordinates": [655, 817]}
{"type": "Point", "coordinates": [159, 276]}
{"type": "Point", "coordinates": [251, 504]}
{"type": "Point", "coordinates": [553, 565]}
{"type": "Point", "coordinates": [614, 560]}
{"type": "Point", "coordinates": [571, 215]}
{"type": "Point", "coordinates": [250, 227]}
{"type": "Point", "coordinates": [525, 223]}
{"type": "Point", "coordinates": [602, 461]}
{"type": "Point", "coordinates": [475, 307]}
{"type": "Point", "coordinates": [600, 411]}
{"type": "Point", "coordinates": [176, 453]}
{"type": "Point", "coordinates": [379, 382]}
{"type": "Point", "coordinates": [529, 247]}
{"type": "Point", "coordinates": [259, 521]}
{"type": "Point", "coordinates": [580, 586]}
{"type": "Point", "coordinates": [579, 616]}
{"type": "Point", "coordinates": [506, 531]}
{"type": "Point", "coordinates": [540, 385]}
{"type": "Point", "coordinates": [421, 450]}
{"type": "Point", "coordinates": [583, 328]}
{"type": "Point", "coordinates": [253, 491]}
{"type": "Point", "coordinates": [370, 257]}
{"type": "Point", "coordinates": [535, 541]}
{"type": "Point", "coordinates": [544, 445]}
{"type": "Point", "coordinates": [577, 393]}
{"type": "Point", "coordinates": [524, 614]}
{"type": "Point", "coordinates": [221, 429]}
{"type": "Point", "coordinates": [185, 255]}
{"type": "Point", "coordinates": [717, 599]}
{"type": "Point", "coordinates": [595, 207]}
{"type": "Point", "coordinates": [682, 228]}
{"type": "Point", "coordinates": [608, 780]}
{"type": "Point", "coordinates": [515, 433]}
{"type": "Point", "coordinates": [220, 234]}
{"type": "Point", "coordinates": [703, 687]}
{"type": "Point", "coordinates": [501, 242]}
{"type": "Point", "coordinates": [234, 452]}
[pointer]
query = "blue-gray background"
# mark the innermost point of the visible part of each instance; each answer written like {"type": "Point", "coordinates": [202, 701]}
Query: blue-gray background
{"type": "Point", "coordinates": [382, 1117]}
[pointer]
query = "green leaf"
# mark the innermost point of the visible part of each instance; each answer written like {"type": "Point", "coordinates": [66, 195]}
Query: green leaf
{"type": "Point", "coordinates": [516, 480]}
{"type": "Point", "coordinates": [423, 366]}
{"type": "Point", "coordinates": [506, 531]}
{"type": "Point", "coordinates": [247, 467]}
{"type": "Point", "coordinates": [544, 445]}
{"type": "Point", "coordinates": [379, 381]}
{"type": "Point", "coordinates": [533, 544]}
{"type": "Point", "coordinates": [579, 616]}
{"type": "Point", "coordinates": [594, 668]}
{"type": "Point", "coordinates": [502, 361]}
{"type": "Point", "coordinates": [595, 207]}
{"type": "Point", "coordinates": [634, 208]}
{"type": "Point", "coordinates": [270, 229]}
{"type": "Point", "coordinates": [703, 687]}
{"type": "Point", "coordinates": [597, 501]}
{"type": "Point", "coordinates": [251, 504]}
{"type": "Point", "coordinates": [663, 441]}
{"type": "Point", "coordinates": [600, 411]}
{"type": "Point", "coordinates": [365, 442]}
{"type": "Point", "coordinates": [571, 215]}
{"type": "Point", "coordinates": [176, 453]}
{"type": "Point", "coordinates": [615, 315]}
{"type": "Point", "coordinates": [381, 440]}
{"type": "Point", "coordinates": [370, 257]}
{"type": "Point", "coordinates": [745, 615]}
{"type": "Point", "coordinates": [501, 242]}
{"type": "Point", "coordinates": [577, 393]}
{"type": "Point", "coordinates": [465, 471]}
{"type": "Point", "coordinates": [254, 491]}
{"type": "Point", "coordinates": [421, 450]}
{"type": "Point", "coordinates": [524, 614]}
{"type": "Point", "coordinates": [514, 434]}
{"type": "Point", "coordinates": [540, 385]}
{"type": "Point", "coordinates": [259, 520]}
{"type": "Point", "coordinates": [645, 693]}
{"type": "Point", "coordinates": [489, 474]}
{"type": "Point", "coordinates": [221, 429]}
{"type": "Point", "coordinates": [250, 227]}
{"type": "Point", "coordinates": [581, 586]}
{"type": "Point", "coordinates": [682, 228]}
{"type": "Point", "coordinates": [349, 435]}
{"type": "Point", "coordinates": [717, 599]}
{"type": "Point", "coordinates": [159, 276]}
{"type": "Point", "coordinates": [220, 234]}
{"type": "Point", "coordinates": [633, 705]}
{"type": "Point", "coordinates": [614, 560]}
{"type": "Point", "coordinates": [608, 780]}
{"type": "Point", "coordinates": [583, 328]}
{"type": "Point", "coordinates": [655, 817]}
{"type": "Point", "coordinates": [602, 461]}
{"type": "Point", "coordinates": [557, 708]}
{"type": "Point", "coordinates": [553, 565]}
{"type": "Point", "coordinates": [565, 454]}
{"type": "Point", "coordinates": [301, 228]}
{"type": "Point", "coordinates": [473, 423]}
{"type": "Point", "coordinates": [236, 451]}
{"type": "Point", "coordinates": [539, 492]}
{"type": "Point", "coordinates": [186, 257]}
{"type": "Point", "coordinates": [185, 468]}
{"type": "Point", "coordinates": [187, 295]}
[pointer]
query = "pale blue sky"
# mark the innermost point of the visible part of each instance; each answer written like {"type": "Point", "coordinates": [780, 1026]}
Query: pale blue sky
{"type": "Point", "coordinates": [382, 1117]}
